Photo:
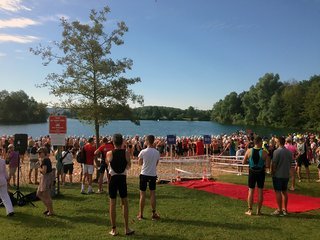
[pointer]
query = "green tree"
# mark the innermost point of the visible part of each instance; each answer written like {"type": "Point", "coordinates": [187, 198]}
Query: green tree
{"type": "Point", "coordinates": [17, 107]}
{"type": "Point", "coordinates": [91, 83]}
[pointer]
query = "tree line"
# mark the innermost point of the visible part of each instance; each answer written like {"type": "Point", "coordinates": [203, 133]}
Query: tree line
{"type": "Point", "coordinates": [273, 103]}
{"type": "Point", "coordinates": [170, 113]}
{"type": "Point", "coordinates": [18, 107]}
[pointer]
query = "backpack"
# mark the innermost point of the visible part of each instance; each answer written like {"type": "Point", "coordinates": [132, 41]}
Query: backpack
{"type": "Point", "coordinates": [119, 161]}
{"type": "Point", "coordinates": [81, 155]}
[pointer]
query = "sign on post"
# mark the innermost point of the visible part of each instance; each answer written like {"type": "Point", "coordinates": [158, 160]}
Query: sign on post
{"type": "Point", "coordinates": [206, 139]}
{"type": "Point", "coordinates": [57, 124]}
{"type": "Point", "coordinates": [171, 139]}
{"type": "Point", "coordinates": [58, 130]}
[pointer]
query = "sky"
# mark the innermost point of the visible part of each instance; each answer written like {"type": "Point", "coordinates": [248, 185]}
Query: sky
{"type": "Point", "coordinates": [186, 52]}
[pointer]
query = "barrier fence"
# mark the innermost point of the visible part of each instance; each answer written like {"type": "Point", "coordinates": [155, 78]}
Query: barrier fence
{"type": "Point", "coordinates": [229, 164]}
{"type": "Point", "coordinates": [171, 169]}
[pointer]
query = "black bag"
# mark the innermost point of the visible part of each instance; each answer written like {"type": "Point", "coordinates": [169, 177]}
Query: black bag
{"type": "Point", "coordinates": [81, 155]}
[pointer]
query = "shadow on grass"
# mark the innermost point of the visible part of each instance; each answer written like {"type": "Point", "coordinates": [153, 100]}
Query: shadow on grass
{"type": "Point", "coordinates": [232, 226]}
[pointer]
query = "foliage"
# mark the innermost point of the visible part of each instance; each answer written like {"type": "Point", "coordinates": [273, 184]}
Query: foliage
{"type": "Point", "coordinates": [273, 103]}
{"type": "Point", "coordinates": [169, 113]}
{"type": "Point", "coordinates": [18, 107]}
{"type": "Point", "coordinates": [92, 83]}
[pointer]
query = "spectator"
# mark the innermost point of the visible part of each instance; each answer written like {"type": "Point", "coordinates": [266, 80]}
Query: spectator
{"type": "Point", "coordinates": [280, 171]}
{"type": "Point", "coordinates": [88, 165]}
{"type": "Point", "coordinates": [46, 180]}
{"type": "Point", "coordinates": [67, 161]}
{"type": "Point", "coordinates": [13, 160]}
{"type": "Point", "coordinates": [4, 187]}
{"type": "Point", "coordinates": [149, 159]}
{"type": "Point", "coordinates": [119, 160]}
{"type": "Point", "coordinates": [258, 160]}
{"type": "Point", "coordinates": [34, 163]}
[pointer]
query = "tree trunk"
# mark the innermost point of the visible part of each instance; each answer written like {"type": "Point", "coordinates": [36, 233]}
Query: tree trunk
{"type": "Point", "coordinates": [97, 129]}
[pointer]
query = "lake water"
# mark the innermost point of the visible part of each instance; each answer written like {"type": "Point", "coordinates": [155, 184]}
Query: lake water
{"type": "Point", "coordinates": [157, 128]}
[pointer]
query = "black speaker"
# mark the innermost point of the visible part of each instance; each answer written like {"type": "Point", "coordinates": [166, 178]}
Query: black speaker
{"type": "Point", "coordinates": [21, 143]}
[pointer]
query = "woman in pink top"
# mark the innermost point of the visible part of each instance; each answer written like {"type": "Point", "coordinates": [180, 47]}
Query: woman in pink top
{"type": "Point", "coordinates": [294, 152]}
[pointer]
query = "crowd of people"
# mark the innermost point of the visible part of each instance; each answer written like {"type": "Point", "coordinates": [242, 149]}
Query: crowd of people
{"type": "Point", "coordinates": [114, 153]}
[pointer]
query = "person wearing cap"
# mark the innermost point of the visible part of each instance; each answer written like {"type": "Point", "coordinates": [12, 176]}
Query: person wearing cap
{"type": "Point", "coordinates": [4, 188]}
{"type": "Point", "coordinates": [13, 160]}
{"type": "Point", "coordinates": [46, 180]}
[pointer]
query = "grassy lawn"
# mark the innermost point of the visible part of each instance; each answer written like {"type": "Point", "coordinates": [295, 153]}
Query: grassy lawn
{"type": "Point", "coordinates": [185, 214]}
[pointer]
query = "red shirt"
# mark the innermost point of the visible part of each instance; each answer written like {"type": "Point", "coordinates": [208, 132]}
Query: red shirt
{"type": "Point", "coordinates": [89, 149]}
{"type": "Point", "coordinates": [104, 148]}
{"type": "Point", "coordinates": [199, 148]}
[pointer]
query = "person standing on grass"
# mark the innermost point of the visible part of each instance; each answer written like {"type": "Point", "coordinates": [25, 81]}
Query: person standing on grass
{"type": "Point", "coordinates": [46, 180]}
{"type": "Point", "coordinates": [280, 171]}
{"type": "Point", "coordinates": [302, 149]}
{"type": "Point", "coordinates": [149, 159]}
{"type": "Point", "coordinates": [258, 160]}
{"type": "Point", "coordinates": [119, 161]}
{"type": "Point", "coordinates": [103, 150]}
{"type": "Point", "coordinates": [4, 196]}
{"type": "Point", "coordinates": [292, 148]}
{"type": "Point", "coordinates": [88, 165]}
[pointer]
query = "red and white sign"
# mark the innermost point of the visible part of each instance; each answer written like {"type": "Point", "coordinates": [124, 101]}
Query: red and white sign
{"type": "Point", "coordinates": [57, 125]}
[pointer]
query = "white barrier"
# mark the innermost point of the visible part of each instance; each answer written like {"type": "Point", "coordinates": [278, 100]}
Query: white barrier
{"type": "Point", "coordinates": [174, 168]}
{"type": "Point", "coordinates": [229, 164]}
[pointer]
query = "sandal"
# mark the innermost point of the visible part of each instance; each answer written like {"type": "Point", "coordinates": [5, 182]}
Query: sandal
{"type": "Point", "coordinates": [140, 218]}
{"type": "Point", "coordinates": [113, 232]}
{"type": "Point", "coordinates": [131, 232]}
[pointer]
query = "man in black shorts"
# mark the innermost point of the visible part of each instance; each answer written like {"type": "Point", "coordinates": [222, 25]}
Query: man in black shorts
{"type": "Point", "coordinates": [258, 160]}
{"type": "Point", "coordinates": [119, 160]}
{"type": "Point", "coordinates": [149, 159]}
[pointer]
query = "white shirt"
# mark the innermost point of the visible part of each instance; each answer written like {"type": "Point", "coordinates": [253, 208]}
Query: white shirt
{"type": "Point", "coordinates": [150, 157]}
{"type": "Point", "coordinates": [68, 159]}
{"type": "Point", "coordinates": [3, 172]}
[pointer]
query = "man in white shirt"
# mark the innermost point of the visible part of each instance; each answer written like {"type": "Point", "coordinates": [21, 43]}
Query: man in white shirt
{"type": "Point", "coordinates": [149, 159]}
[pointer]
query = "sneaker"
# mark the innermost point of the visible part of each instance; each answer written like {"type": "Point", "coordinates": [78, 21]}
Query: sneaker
{"type": "Point", "coordinates": [277, 213]}
{"type": "Point", "coordinates": [292, 189]}
{"type": "Point", "coordinates": [249, 212]}
{"type": "Point", "coordinates": [82, 191]}
{"type": "Point", "coordinates": [90, 191]}
{"type": "Point", "coordinates": [300, 180]}
{"type": "Point", "coordinates": [155, 216]}
{"type": "Point", "coordinates": [284, 212]}
{"type": "Point", "coordinates": [100, 191]}
{"type": "Point", "coordinates": [318, 180]}
{"type": "Point", "coordinates": [10, 214]}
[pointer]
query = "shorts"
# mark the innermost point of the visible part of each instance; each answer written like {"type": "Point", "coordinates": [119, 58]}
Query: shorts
{"type": "Point", "coordinates": [280, 184]}
{"type": "Point", "coordinates": [87, 169]}
{"type": "Point", "coordinates": [103, 168]}
{"type": "Point", "coordinates": [118, 183]}
{"type": "Point", "coordinates": [12, 170]}
{"type": "Point", "coordinates": [34, 165]}
{"type": "Point", "coordinates": [303, 160]}
{"type": "Point", "coordinates": [144, 180]}
{"type": "Point", "coordinates": [68, 168]}
{"type": "Point", "coordinates": [256, 178]}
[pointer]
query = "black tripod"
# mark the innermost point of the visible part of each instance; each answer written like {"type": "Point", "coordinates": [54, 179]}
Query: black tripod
{"type": "Point", "coordinates": [21, 199]}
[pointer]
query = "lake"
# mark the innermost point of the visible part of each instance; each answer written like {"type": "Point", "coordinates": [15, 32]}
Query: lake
{"type": "Point", "coordinates": [157, 128]}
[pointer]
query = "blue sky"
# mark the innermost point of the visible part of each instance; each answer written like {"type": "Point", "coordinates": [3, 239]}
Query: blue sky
{"type": "Point", "coordinates": [186, 52]}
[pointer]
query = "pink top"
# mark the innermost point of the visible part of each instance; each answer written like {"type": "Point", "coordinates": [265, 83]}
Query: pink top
{"type": "Point", "coordinates": [291, 148]}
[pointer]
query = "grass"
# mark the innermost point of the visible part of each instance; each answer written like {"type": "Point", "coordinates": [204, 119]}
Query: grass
{"type": "Point", "coordinates": [185, 214]}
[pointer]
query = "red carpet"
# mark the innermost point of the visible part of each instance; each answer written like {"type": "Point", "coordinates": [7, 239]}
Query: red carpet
{"type": "Point", "coordinates": [297, 203]}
